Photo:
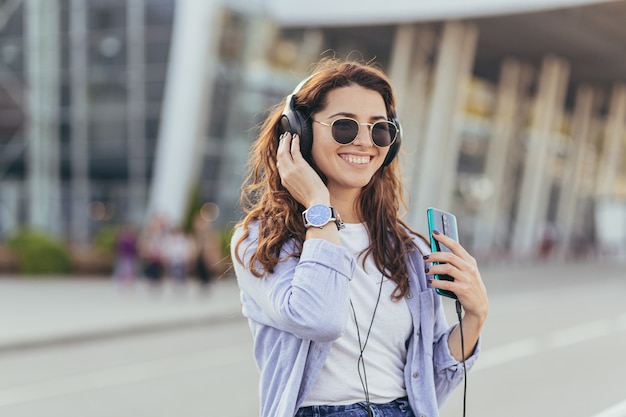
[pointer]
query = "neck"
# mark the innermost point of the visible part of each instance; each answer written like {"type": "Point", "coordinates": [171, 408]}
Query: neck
{"type": "Point", "coordinates": [345, 204]}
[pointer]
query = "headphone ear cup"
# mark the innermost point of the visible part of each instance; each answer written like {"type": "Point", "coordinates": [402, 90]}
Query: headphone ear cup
{"type": "Point", "coordinates": [395, 147]}
{"type": "Point", "coordinates": [288, 121]}
{"type": "Point", "coordinates": [306, 137]}
{"type": "Point", "coordinates": [294, 122]}
{"type": "Point", "coordinates": [393, 151]}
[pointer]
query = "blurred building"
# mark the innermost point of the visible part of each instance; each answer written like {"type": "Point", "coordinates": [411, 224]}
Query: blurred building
{"type": "Point", "coordinates": [81, 86]}
{"type": "Point", "coordinates": [513, 114]}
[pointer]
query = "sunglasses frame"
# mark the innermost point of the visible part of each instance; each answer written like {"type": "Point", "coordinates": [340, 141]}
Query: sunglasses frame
{"type": "Point", "coordinates": [359, 124]}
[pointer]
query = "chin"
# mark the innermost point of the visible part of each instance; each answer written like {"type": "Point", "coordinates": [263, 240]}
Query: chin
{"type": "Point", "coordinates": [355, 183]}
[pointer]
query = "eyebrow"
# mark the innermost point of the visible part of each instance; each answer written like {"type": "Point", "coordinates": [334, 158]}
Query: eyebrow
{"type": "Point", "coordinates": [353, 116]}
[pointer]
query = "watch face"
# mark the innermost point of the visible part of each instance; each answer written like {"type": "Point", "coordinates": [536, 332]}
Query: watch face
{"type": "Point", "coordinates": [318, 215]}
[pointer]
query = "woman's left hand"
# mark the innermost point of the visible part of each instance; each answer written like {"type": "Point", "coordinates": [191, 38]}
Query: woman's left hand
{"type": "Point", "coordinates": [467, 285]}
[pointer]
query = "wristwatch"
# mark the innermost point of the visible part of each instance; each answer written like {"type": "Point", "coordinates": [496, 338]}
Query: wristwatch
{"type": "Point", "coordinates": [319, 215]}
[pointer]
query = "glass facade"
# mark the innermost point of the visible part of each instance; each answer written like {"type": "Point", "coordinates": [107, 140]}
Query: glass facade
{"type": "Point", "coordinates": [113, 63]}
{"type": "Point", "coordinates": [112, 67]}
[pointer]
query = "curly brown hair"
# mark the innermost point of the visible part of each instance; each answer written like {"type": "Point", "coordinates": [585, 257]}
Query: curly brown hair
{"type": "Point", "coordinates": [265, 200]}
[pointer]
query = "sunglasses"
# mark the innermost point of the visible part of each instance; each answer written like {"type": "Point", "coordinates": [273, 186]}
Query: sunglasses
{"type": "Point", "coordinates": [345, 130]}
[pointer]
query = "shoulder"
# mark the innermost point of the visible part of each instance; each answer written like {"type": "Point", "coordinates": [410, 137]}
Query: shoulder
{"type": "Point", "coordinates": [422, 244]}
{"type": "Point", "coordinates": [245, 239]}
{"type": "Point", "coordinates": [419, 241]}
{"type": "Point", "coordinates": [252, 229]}
{"type": "Point", "coordinates": [415, 260]}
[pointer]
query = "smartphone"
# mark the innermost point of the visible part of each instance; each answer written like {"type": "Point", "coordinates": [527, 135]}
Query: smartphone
{"type": "Point", "coordinates": [445, 223]}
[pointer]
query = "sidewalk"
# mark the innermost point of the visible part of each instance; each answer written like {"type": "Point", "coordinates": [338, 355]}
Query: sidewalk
{"type": "Point", "coordinates": [42, 311]}
{"type": "Point", "coordinates": [38, 311]}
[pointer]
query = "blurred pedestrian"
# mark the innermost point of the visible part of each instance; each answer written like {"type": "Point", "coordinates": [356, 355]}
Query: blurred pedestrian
{"type": "Point", "coordinates": [177, 251]}
{"type": "Point", "coordinates": [549, 239]}
{"type": "Point", "coordinates": [208, 252]}
{"type": "Point", "coordinates": [344, 316]}
{"type": "Point", "coordinates": [151, 249]}
{"type": "Point", "coordinates": [126, 257]}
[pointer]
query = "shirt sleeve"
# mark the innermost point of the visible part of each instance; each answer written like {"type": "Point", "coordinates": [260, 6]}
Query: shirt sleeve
{"type": "Point", "coordinates": [448, 370]}
{"type": "Point", "coordinates": [307, 296]}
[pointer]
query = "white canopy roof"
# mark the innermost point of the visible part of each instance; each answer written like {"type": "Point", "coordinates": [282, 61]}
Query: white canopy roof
{"type": "Point", "coordinates": [590, 34]}
{"type": "Point", "coordinates": [367, 12]}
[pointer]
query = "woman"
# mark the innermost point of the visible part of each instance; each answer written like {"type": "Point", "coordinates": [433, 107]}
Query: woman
{"type": "Point", "coordinates": [339, 297]}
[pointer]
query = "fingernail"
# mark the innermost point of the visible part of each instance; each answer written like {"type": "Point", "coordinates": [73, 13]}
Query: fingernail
{"type": "Point", "coordinates": [426, 270]}
{"type": "Point", "coordinates": [435, 232]}
{"type": "Point", "coordinates": [426, 257]}
{"type": "Point", "coordinates": [430, 281]}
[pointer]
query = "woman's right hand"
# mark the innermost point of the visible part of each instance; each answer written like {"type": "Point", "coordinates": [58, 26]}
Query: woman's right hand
{"type": "Point", "coordinates": [297, 176]}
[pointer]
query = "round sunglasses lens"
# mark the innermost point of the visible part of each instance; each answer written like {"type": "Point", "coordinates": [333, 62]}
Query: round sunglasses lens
{"type": "Point", "coordinates": [345, 130]}
{"type": "Point", "coordinates": [383, 133]}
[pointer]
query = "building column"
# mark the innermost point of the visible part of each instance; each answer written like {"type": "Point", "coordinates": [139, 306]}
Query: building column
{"type": "Point", "coordinates": [538, 169]}
{"type": "Point", "coordinates": [571, 185]}
{"type": "Point", "coordinates": [257, 75]}
{"type": "Point", "coordinates": [42, 23]}
{"type": "Point", "coordinates": [400, 62]}
{"type": "Point", "coordinates": [433, 184]}
{"type": "Point", "coordinates": [613, 142]}
{"type": "Point", "coordinates": [409, 72]}
{"type": "Point", "coordinates": [10, 197]}
{"type": "Point", "coordinates": [136, 99]}
{"type": "Point", "coordinates": [610, 212]}
{"type": "Point", "coordinates": [514, 81]}
{"type": "Point", "coordinates": [185, 107]}
{"type": "Point", "coordinates": [79, 120]}
{"type": "Point", "coordinates": [11, 193]}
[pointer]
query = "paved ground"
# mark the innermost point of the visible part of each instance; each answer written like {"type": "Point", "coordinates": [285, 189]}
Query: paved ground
{"type": "Point", "coordinates": [36, 310]}
{"type": "Point", "coordinates": [554, 335]}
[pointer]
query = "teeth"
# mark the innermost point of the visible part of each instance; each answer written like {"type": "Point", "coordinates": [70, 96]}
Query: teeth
{"type": "Point", "coordinates": [356, 159]}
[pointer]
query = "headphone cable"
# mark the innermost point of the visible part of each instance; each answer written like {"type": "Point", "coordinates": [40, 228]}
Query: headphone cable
{"type": "Point", "coordinates": [459, 309]}
{"type": "Point", "coordinates": [361, 360]}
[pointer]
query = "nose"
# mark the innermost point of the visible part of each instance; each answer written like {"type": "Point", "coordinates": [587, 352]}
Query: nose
{"type": "Point", "coordinates": [363, 137]}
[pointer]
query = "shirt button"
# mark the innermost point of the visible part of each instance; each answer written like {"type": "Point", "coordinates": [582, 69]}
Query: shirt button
{"type": "Point", "coordinates": [416, 374]}
{"type": "Point", "coordinates": [409, 295]}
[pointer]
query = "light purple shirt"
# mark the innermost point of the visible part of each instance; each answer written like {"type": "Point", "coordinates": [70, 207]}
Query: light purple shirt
{"type": "Point", "coordinates": [296, 312]}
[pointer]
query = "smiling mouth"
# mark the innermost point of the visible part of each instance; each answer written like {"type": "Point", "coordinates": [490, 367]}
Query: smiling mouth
{"type": "Point", "coordinates": [353, 159]}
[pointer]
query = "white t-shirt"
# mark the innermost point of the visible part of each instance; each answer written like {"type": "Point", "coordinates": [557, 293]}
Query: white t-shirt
{"type": "Point", "coordinates": [385, 352]}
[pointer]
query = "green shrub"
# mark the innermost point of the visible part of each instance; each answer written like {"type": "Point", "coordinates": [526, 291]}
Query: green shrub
{"type": "Point", "coordinates": [225, 235]}
{"type": "Point", "coordinates": [39, 254]}
{"type": "Point", "coordinates": [104, 240]}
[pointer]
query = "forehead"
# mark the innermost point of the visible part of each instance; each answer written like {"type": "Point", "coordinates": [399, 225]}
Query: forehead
{"type": "Point", "coordinates": [355, 99]}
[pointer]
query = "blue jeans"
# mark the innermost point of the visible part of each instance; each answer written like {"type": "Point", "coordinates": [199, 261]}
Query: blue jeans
{"type": "Point", "coordinates": [395, 408]}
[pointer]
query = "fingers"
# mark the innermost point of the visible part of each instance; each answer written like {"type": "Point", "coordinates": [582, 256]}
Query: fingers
{"type": "Point", "coordinates": [288, 151]}
{"type": "Point", "coordinates": [296, 175]}
{"type": "Point", "coordinates": [453, 245]}
{"type": "Point", "coordinates": [445, 263]}
{"type": "Point", "coordinates": [467, 285]}
{"type": "Point", "coordinates": [460, 265]}
{"type": "Point", "coordinates": [283, 155]}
